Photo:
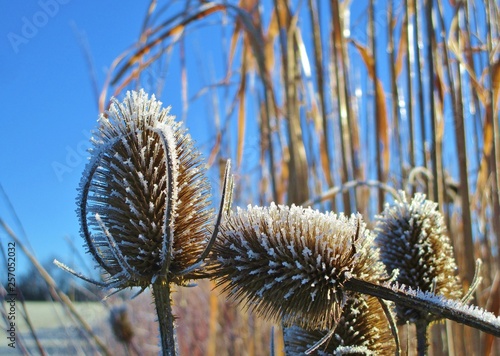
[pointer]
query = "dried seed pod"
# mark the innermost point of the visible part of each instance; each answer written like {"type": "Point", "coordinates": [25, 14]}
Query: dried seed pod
{"type": "Point", "coordinates": [412, 239]}
{"type": "Point", "coordinates": [363, 329]}
{"type": "Point", "coordinates": [120, 324]}
{"type": "Point", "coordinates": [291, 262]}
{"type": "Point", "coordinates": [144, 199]}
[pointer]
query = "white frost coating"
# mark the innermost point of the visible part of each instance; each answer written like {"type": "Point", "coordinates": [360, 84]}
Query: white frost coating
{"type": "Point", "coordinates": [233, 247]}
{"type": "Point", "coordinates": [318, 260]}
{"type": "Point", "coordinates": [127, 243]}
{"type": "Point", "coordinates": [349, 350]}
{"type": "Point", "coordinates": [168, 140]}
{"type": "Point", "coordinates": [266, 287]}
{"type": "Point", "coordinates": [468, 310]}
{"type": "Point", "coordinates": [143, 151]}
{"type": "Point", "coordinates": [290, 292]}
{"type": "Point", "coordinates": [271, 253]}
{"type": "Point", "coordinates": [132, 208]}
{"type": "Point", "coordinates": [256, 271]}
{"type": "Point", "coordinates": [250, 253]}
{"type": "Point", "coordinates": [236, 278]}
{"type": "Point", "coordinates": [273, 264]}
{"type": "Point", "coordinates": [306, 252]}
{"type": "Point", "coordinates": [144, 183]}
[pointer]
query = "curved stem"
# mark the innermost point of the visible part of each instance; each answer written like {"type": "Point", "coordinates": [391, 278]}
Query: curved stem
{"type": "Point", "coordinates": [163, 302]}
{"type": "Point", "coordinates": [392, 322]}
{"type": "Point", "coordinates": [225, 206]}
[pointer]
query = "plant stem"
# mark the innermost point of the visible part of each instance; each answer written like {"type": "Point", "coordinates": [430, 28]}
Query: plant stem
{"type": "Point", "coordinates": [453, 310]}
{"type": "Point", "coordinates": [161, 293]}
{"type": "Point", "coordinates": [421, 326]}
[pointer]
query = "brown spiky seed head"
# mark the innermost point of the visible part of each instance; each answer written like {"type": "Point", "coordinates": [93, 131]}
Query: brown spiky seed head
{"type": "Point", "coordinates": [412, 239]}
{"type": "Point", "coordinates": [144, 198]}
{"type": "Point", "coordinates": [363, 329]}
{"type": "Point", "coordinates": [291, 262]}
{"type": "Point", "coordinates": [120, 324]}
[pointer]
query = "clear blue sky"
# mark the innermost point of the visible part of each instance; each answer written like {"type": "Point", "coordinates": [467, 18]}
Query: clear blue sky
{"type": "Point", "coordinates": [48, 108]}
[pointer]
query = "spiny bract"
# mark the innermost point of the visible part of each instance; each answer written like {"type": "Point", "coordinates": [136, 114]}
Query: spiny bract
{"type": "Point", "coordinates": [143, 203]}
{"type": "Point", "coordinates": [291, 262]}
{"type": "Point", "coordinates": [412, 238]}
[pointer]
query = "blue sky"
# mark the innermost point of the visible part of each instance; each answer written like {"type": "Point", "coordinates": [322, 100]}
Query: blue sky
{"type": "Point", "coordinates": [48, 108]}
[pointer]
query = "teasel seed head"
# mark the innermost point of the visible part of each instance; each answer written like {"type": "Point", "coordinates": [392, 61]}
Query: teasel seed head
{"type": "Point", "coordinates": [144, 198]}
{"type": "Point", "coordinates": [290, 263]}
{"type": "Point", "coordinates": [412, 239]}
{"type": "Point", "coordinates": [120, 324]}
{"type": "Point", "coordinates": [363, 329]}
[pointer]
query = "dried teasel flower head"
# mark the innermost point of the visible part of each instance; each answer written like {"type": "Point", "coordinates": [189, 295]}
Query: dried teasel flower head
{"type": "Point", "coordinates": [363, 329]}
{"type": "Point", "coordinates": [144, 198]}
{"type": "Point", "coordinates": [120, 324]}
{"type": "Point", "coordinates": [412, 239]}
{"type": "Point", "coordinates": [290, 262]}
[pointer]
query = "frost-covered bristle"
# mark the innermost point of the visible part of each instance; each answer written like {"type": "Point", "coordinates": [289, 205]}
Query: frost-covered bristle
{"type": "Point", "coordinates": [412, 239]}
{"type": "Point", "coordinates": [363, 326]}
{"type": "Point", "coordinates": [144, 199]}
{"type": "Point", "coordinates": [457, 307]}
{"type": "Point", "coordinates": [292, 262]}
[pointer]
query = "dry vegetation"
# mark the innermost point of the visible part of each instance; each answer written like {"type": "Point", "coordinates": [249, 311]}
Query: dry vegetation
{"type": "Point", "coordinates": [331, 104]}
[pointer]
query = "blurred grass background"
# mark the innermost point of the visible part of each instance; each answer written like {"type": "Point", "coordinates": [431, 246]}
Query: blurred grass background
{"type": "Point", "coordinates": [329, 104]}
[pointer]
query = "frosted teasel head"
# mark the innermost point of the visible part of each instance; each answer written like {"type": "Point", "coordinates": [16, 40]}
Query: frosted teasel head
{"type": "Point", "coordinates": [412, 239]}
{"type": "Point", "coordinates": [144, 204]}
{"type": "Point", "coordinates": [363, 329]}
{"type": "Point", "coordinates": [291, 262]}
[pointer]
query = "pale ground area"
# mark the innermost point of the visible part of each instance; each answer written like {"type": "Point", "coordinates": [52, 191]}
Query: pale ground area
{"type": "Point", "coordinates": [54, 327]}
